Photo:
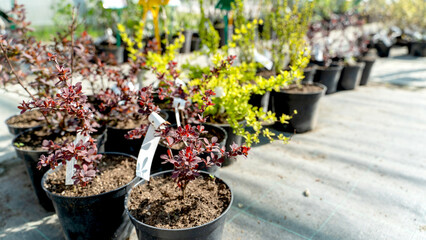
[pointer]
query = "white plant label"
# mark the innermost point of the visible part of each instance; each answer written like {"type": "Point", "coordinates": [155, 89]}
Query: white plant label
{"type": "Point", "coordinates": [70, 169]}
{"type": "Point", "coordinates": [219, 91]}
{"type": "Point", "coordinates": [266, 62]}
{"type": "Point", "coordinates": [180, 82]}
{"type": "Point", "coordinates": [114, 4]}
{"type": "Point", "coordinates": [178, 104]}
{"type": "Point", "coordinates": [149, 145]}
{"type": "Point", "coordinates": [116, 90]}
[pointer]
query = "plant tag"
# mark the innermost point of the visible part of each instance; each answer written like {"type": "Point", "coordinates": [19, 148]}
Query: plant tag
{"type": "Point", "coordinates": [219, 91]}
{"type": "Point", "coordinates": [149, 145]}
{"type": "Point", "coordinates": [131, 86]}
{"type": "Point", "coordinates": [70, 169]}
{"type": "Point", "coordinates": [116, 90]}
{"type": "Point", "coordinates": [266, 62]}
{"type": "Point", "coordinates": [180, 82]}
{"type": "Point", "coordinates": [178, 104]}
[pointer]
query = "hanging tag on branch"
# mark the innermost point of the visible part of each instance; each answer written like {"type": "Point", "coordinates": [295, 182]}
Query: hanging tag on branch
{"type": "Point", "coordinates": [70, 169]}
{"type": "Point", "coordinates": [149, 145]}
{"type": "Point", "coordinates": [178, 104]}
{"type": "Point", "coordinates": [266, 62]}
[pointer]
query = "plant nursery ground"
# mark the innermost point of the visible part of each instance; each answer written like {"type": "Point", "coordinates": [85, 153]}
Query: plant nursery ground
{"type": "Point", "coordinates": [361, 174]}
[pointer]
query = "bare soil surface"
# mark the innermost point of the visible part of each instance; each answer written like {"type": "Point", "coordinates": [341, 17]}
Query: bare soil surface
{"type": "Point", "coordinates": [114, 171]}
{"type": "Point", "coordinates": [302, 89]}
{"type": "Point", "coordinates": [160, 203]}
{"type": "Point", "coordinates": [26, 120]}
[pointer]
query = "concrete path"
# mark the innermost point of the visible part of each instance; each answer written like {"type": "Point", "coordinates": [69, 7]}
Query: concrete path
{"type": "Point", "coordinates": [361, 174]}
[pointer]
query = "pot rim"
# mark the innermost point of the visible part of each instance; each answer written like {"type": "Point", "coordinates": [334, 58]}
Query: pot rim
{"type": "Point", "coordinates": [135, 179]}
{"type": "Point", "coordinates": [324, 89]}
{"type": "Point", "coordinates": [166, 116]}
{"type": "Point", "coordinates": [126, 199]}
{"type": "Point", "coordinates": [330, 68]}
{"type": "Point", "coordinates": [25, 150]}
{"type": "Point", "coordinates": [34, 128]}
{"type": "Point", "coordinates": [15, 115]}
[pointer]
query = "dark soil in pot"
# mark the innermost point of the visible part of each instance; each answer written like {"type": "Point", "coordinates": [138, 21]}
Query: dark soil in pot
{"type": "Point", "coordinates": [116, 141]}
{"type": "Point", "coordinates": [22, 122]}
{"type": "Point", "coordinates": [329, 77]}
{"type": "Point", "coordinates": [263, 72]}
{"type": "Point", "coordinates": [309, 74]}
{"type": "Point", "coordinates": [305, 100]}
{"type": "Point", "coordinates": [28, 148]}
{"type": "Point", "coordinates": [369, 62]}
{"type": "Point", "coordinates": [95, 211]}
{"type": "Point", "coordinates": [212, 131]}
{"type": "Point", "coordinates": [351, 76]}
{"type": "Point", "coordinates": [158, 210]}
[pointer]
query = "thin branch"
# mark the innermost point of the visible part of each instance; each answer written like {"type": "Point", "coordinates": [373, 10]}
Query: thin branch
{"type": "Point", "coordinates": [19, 79]}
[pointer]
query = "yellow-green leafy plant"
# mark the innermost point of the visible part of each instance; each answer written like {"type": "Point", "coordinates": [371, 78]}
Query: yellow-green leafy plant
{"type": "Point", "coordinates": [286, 49]}
{"type": "Point", "coordinates": [233, 91]}
{"type": "Point", "coordinates": [209, 36]}
{"type": "Point", "coordinates": [135, 47]}
{"type": "Point", "coordinates": [244, 33]}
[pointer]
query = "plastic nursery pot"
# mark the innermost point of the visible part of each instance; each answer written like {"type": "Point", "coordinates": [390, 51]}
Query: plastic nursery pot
{"type": "Point", "coordinates": [209, 231]}
{"type": "Point", "coordinates": [417, 49]}
{"type": "Point", "coordinates": [99, 216]}
{"type": "Point", "coordinates": [351, 76]}
{"type": "Point", "coordinates": [369, 62]}
{"type": "Point", "coordinates": [17, 130]}
{"type": "Point", "coordinates": [117, 52]}
{"type": "Point", "coordinates": [157, 165]}
{"type": "Point", "coordinates": [31, 158]}
{"type": "Point", "coordinates": [306, 104]}
{"type": "Point", "coordinates": [382, 49]}
{"type": "Point", "coordinates": [329, 77]}
{"type": "Point", "coordinates": [231, 138]}
{"type": "Point", "coordinates": [309, 74]}
{"type": "Point", "coordinates": [260, 101]}
{"type": "Point", "coordinates": [116, 142]}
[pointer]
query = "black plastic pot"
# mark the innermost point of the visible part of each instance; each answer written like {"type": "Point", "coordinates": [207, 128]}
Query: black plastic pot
{"type": "Point", "coordinates": [369, 62]}
{"type": "Point", "coordinates": [31, 158]}
{"type": "Point", "coordinates": [351, 76]}
{"type": "Point", "coordinates": [100, 216]}
{"type": "Point", "coordinates": [382, 49]}
{"type": "Point", "coordinates": [209, 231]}
{"type": "Point", "coordinates": [260, 101]}
{"type": "Point", "coordinates": [117, 52]}
{"type": "Point", "coordinates": [231, 138]}
{"type": "Point", "coordinates": [329, 77]}
{"type": "Point", "coordinates": [309, 74]}
{"type": "Point", "coordinates": [306, 105]}
{"type": "Point", "coordinates": [116, 142]}
{"type": "Point", "coordinates": [417, 49]}
{"type": "Point", "coordinates": [157, 165]}
{"type": "Point", "coordinates": [16, 130]}
{"type": "Point", "coordinates": [195, 42]}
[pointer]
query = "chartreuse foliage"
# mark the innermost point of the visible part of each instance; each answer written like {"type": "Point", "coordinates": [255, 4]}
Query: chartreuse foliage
{"type": "Point", "coordinates": [153, 58]}
{"type": "Point", "coordinates": [134, 46]}
{"type": "Point", "coordinates": [290, 39]}
{"type": "Point", "coordinates": [245, 33]}
{"type": "Point", "coordinates": [209, 36]}
{"type": "Point", "coordinates": [233, 89]}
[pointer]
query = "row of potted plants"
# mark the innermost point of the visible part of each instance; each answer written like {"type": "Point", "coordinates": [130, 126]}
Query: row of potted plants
{"type": "Point", "coordinates": [98, 195]}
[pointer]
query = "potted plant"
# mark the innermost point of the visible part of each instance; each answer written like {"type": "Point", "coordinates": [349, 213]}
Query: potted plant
{"type": "Point", "coordinates": [232, 110]}
{"type": "Point", "coordinates": [43, 92]}
{"type": "Point", "coordinates": [328, 71]}
{"type": "Point", "coordinates": [163, 214]}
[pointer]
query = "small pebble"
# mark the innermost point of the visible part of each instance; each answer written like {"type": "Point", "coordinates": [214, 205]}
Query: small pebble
{"type": "Point", "coordinates": [240, 205]}
{"type": "Point", "coordinates": [306, 193]}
